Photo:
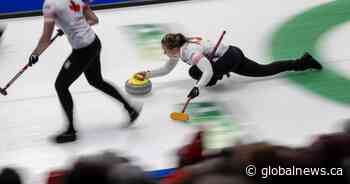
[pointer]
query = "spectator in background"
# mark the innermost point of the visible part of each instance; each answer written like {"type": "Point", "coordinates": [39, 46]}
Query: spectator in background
{"type": "Point", "coordinates": [10, 176]}
{"type": "Point", "coordinates": [106, 168]}
{"type": "Point", "coordinates": [327, 151]}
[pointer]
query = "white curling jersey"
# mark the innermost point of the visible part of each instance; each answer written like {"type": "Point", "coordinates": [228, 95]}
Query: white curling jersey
{"type": "Point", "coordinates": [68, 15]}
{"type": "Point", "coordinates": [194, 50]}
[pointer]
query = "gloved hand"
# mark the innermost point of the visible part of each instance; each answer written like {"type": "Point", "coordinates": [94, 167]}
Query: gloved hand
{"type": "Point", "coordinates": [60, 32]}
{"type": "Point", "coordinates": [193, 93]}
{"type": "Point", "coordinates": [33, 59]}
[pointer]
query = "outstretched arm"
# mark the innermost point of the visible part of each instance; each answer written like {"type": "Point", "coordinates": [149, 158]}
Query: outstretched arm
{"type": "Point", "coordinates": [45, 38]}
{"type": "Point", "coordinates": [164, 70]}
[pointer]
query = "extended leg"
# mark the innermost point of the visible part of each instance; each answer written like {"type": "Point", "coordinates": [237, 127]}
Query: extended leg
{"type": "Point", "coordinates": [254, 69]}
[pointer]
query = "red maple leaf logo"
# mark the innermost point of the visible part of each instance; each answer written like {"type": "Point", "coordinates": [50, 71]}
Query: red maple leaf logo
{"type": "Point", "coordinates": [74, 7]}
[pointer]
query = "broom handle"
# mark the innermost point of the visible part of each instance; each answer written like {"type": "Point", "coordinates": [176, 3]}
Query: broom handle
{"type": "Point", "coordinates": [216, 46]}
{"type": "Point", "coordinates": [59, 33]}
{"type": "Point", "coordinates": [186, 104]}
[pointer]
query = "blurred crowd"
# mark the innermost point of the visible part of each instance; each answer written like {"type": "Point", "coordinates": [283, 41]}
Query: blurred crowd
{"type": "Point", "coordinates": [326, 159]}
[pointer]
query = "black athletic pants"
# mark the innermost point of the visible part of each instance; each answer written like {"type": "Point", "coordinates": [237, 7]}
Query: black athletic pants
{"type": "Point", "coordinates": [235, 61]}
{"type": "Point", "coordinates": [85, 60]}
{"type": "Point", "coordinates": [248, 67]}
